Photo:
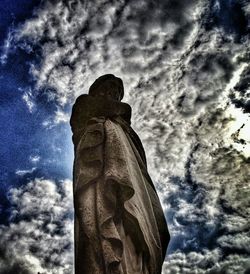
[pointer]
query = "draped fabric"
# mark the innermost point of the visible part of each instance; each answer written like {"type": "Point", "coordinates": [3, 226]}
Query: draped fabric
{"type": "Point", "coordinates": [119, 223]}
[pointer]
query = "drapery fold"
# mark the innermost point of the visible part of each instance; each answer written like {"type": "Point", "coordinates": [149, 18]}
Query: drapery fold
{"type": "Point", "coordinates": [117, 209]}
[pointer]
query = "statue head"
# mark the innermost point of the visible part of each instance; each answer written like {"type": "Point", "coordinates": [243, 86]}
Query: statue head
{"type": "Point", "coordinates": [109, 86]}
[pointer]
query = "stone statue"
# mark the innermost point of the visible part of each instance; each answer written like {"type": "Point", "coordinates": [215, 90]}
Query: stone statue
{"type": "Point", "coordinates": [119, 222]}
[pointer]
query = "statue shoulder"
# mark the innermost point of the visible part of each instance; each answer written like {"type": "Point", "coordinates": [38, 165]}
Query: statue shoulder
{"type": "Point", "coordinates": [126, 113]}
{"type": "Point", "coordinates": [81, 101]}
{"type": "Point", "coordinates": [78, 109]}
{"type": "Point", "coordinates": [87, 106]}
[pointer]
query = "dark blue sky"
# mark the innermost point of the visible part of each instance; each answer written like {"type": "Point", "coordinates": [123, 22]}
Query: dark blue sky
{"type": "Point", "coordinates": [22, 135]}
{"type": "Point", "coordinates": [228, 15]}
{"type": "Point", "coordinates": [15, 12]}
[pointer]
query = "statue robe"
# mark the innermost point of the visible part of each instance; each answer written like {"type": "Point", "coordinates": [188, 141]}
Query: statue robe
{"type": "Point", "coordinates": [119, 223]}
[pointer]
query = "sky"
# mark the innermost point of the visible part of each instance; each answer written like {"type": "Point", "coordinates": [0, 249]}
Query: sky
{"type": "Point", "coordinates": [186, 73]}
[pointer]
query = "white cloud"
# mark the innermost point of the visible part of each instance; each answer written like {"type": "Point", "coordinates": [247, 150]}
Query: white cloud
{"type": "Point", "coordinates": [34, 158]}
{"type": "Point", "coordinates": [22, 172]}
{"type": "Point", "coordinates": [207, 262]}
{"type": "Point", "coordinates": [40, 235]}
{"type": "Point", "coordinates": [28, 98]}
{"type": "Point", "coordinates": [236, 242]}
{"type": "Point", "coordinates": [8, 46]}
{"type": "Point", "coordinates": [61, 116]}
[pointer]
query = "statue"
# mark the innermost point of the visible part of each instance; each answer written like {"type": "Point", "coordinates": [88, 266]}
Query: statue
{"type": "Point", "coordinates": [120, 227]}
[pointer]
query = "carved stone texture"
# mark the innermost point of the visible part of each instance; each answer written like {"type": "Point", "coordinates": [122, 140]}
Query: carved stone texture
{"type": "Point", "coordinates": [120, 227]}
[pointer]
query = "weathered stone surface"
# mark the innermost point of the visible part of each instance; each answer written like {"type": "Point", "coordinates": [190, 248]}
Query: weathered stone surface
{"type": "Point", "coordinates": [119, 223]}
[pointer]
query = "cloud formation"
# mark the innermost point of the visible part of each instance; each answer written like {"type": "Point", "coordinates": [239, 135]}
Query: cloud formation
{"type": "Point", "coordinates": [39, 237]}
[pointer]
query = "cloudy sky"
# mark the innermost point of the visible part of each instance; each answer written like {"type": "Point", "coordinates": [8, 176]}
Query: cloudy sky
{"type": "Point", "coordinates": [186, 71]}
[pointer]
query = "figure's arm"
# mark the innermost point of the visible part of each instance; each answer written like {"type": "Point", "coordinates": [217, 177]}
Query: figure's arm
{"type": "Point", "coordinates": [102, 106]}
{"type": "Point", "coordinates": [87, 107]}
